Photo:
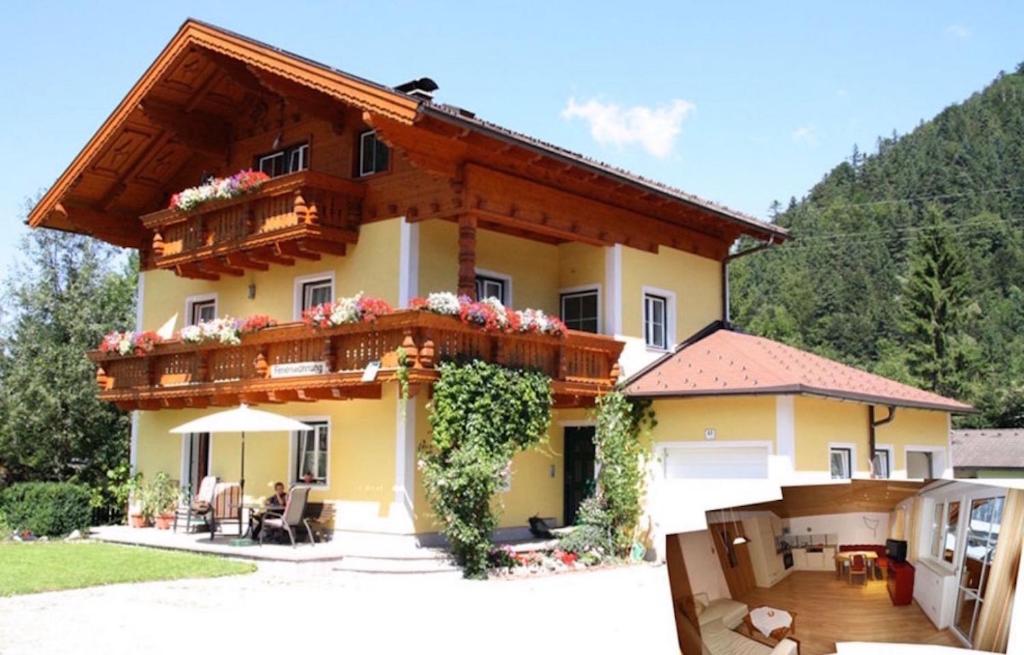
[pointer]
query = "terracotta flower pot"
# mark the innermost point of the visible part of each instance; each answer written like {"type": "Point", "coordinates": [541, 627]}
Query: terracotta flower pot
{"type": "Point", "coordinates": [164, 521]}
{"type": "Point", "coordinates": [137, 521]}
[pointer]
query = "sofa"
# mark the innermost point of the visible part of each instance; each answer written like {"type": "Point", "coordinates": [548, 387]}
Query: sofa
{"type": "Point", "coordinates": [719, 640]}
{"type": "Point", "coordinates": [881, 564]}
{"type": "Point", "coordinates": [729, 612]}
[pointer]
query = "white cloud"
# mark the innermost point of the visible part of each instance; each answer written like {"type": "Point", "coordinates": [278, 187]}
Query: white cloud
{"type": "Point", "coordinates": [806, 134]}
{"type": "Point", "coordinates": [958, 31]}
{"type": "Point", "coordinates": [654, 128]}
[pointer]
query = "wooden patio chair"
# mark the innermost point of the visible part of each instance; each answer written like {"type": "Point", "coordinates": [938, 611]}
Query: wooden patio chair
{"type": "Point", "coordinates": [290, 518]}
{"type": "Point", "coordinates": [199, 506]}
{"type": "Point", "coordinates": [859, 566]}
{"type": "Point", "coordinates": [226, 507]}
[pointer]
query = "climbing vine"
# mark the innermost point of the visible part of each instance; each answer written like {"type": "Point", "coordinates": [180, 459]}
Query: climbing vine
{"type": "Point", "coordinates": [622, 427]}
{"type": "Point", "coordinates": [403, 374]}
{"type": "Point", "coordinates": [481, 415]}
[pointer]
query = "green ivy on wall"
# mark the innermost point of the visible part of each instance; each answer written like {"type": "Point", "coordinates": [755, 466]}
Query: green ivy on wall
{"type": "Point", "coordinates": [481, 415]}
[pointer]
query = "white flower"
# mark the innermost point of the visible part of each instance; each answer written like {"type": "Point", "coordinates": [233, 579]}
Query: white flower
{"type": "Point", "coordinates": [443, 302]}
{"type": "Point", "coordinates": [191, 334]}
{"type": "Point", "coordinates": [499, 310]}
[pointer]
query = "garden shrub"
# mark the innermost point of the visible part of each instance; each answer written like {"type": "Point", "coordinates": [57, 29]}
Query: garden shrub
{"type": "Point", "coordinates": [481, 415]}
{"type": "Point", "coordinates": [593, 532]}
{"type": "Point", "coordinates": [50, 509]}
{"type": "Point", "coordinates": [5, 527]}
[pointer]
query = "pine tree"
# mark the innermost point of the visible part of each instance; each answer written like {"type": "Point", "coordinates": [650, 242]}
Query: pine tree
{"type": "Point", "coordinates": [935, 308]}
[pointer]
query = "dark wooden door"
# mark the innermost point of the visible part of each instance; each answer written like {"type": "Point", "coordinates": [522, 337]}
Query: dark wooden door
{"type": "Point", "coordinates": [579, 469]}
{"type": "Point", "coordinates": [198, 459]}
{"type": "Point", "coordinates": [735, 558]}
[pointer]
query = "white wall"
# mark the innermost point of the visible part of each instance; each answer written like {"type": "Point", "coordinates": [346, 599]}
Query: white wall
{"type": "Point", "coordinates": [702, 565]}
{"type": "Point", "coordinates": [850, 528]}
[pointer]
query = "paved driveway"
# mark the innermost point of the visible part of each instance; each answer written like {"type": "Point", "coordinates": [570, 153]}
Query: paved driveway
{"type": "Point", "coordinates": [310, 608]}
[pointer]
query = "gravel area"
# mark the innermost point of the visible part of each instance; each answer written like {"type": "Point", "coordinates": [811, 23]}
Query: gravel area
{"type": "Point", "coordinates": [287, 607]}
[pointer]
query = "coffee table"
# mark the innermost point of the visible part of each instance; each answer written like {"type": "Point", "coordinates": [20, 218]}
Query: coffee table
{"type": "Point", "coordinates": [780, 624]}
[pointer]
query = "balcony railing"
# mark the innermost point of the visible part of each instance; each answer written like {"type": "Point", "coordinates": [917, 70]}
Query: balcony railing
{"type": "Point", "coordinates": [294, 362]}
{"type": "Point", "coordinates": [296, 216]}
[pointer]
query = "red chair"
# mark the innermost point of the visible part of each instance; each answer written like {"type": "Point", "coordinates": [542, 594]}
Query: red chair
{"type": "Point", "coordinates": [859, 566]}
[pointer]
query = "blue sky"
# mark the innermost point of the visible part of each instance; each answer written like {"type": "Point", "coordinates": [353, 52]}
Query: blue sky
{"type": "Point", "coordinates": [738, 102]}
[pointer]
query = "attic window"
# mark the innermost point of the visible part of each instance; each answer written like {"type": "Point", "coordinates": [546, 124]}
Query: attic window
{"type": "Point", "coordinates": [374, 154]}
{"type": "Point", "coordinates": [287, 160]}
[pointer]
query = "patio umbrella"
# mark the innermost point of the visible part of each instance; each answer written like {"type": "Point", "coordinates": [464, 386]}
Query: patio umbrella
{"type": "Point", "coordinates": [241, 419]}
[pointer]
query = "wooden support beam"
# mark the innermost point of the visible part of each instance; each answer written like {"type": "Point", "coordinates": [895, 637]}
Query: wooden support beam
{"type": "Point", "coordinates": [220, 266]}
{"type": "Point", "coordinates": [117, 229]}
{"type": "Point", "coordinates": [243, 260]}
{"type": "Point", "coordinates": [195, 272]}
{"type": "Point", "coordinates": [199, 131]}
{"type": "Point", "coordinates": [324, 246]}
{"type": "Point", "coordinates": [267, 255]}
{"type": "Point", "coordinates": [315, 103]}
{"type": "Point", "coordinates": [467, 255]}
{"type": "Point", "coordinates": [144, 158]}
{"type": "Point", "coordinates": [293, 250]}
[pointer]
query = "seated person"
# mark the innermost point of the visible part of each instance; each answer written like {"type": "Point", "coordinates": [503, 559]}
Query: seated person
{"type": "Point", "coordinates": [307, 478]}
{"type": "Point", "coordinates": [280, 498]}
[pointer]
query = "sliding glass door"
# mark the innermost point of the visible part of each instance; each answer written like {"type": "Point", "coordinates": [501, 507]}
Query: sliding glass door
{"type": "Point", "coordinates": [982, 533]}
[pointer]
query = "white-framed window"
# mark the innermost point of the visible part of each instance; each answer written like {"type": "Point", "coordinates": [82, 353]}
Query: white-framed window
{"type": "Point", "coordinates": [924, 462]}
{"type": "Point", "coordinates": [200, 308]}
{"type": "Point", "coordinates": [882, 464]}
{"type": "Point", "coordinates": [944, 531]}
{"type": "Point", "coordinates": [286, 160]}
{"type": "Point", "coordinates": [581, 309]}
{"type": "Point", "coordinates": [374, 154]}
{"type": "Point", "coordinates": [840, 459]}
{"type": "Point", "coordinates": [656, 320]}
{"type": "Point", "coordinates": [311, 453]}
{"type": "Point", "coordinates": [490, 284]}
{"type": "Point", "coordinates": [313, 290]}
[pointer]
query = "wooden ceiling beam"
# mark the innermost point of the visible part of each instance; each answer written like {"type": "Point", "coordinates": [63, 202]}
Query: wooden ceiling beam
{"type": "Point", "coordinates": [268, 255]}
{"type": "Point", "coordinates": [324, 246]}
{"type": "Point", "coordinates": [195, 272]}
{"type": "Point", "coordinates": [293, 250]}
{"type": "Point", "coordinates": [143, 160]}
{"type": "Point", "coordinates": [118, 229]}
{"type": "Point", "coordinates": [317, 104]}
{"type": "Point", "coordinates": [204, 89]}
{"type": "Point", "coordinates": [202, 132]}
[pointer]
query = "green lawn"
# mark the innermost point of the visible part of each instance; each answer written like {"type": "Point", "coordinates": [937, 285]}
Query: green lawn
{"type": "Point", "coordinates": [31, 568]}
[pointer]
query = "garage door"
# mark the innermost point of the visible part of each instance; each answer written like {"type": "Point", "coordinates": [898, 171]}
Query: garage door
{"type": "Point", "coordinates": [716, 462]}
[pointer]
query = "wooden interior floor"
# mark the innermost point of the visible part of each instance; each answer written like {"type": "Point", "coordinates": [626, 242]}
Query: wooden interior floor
{"type": "Point", "coordinates": [830, 610]}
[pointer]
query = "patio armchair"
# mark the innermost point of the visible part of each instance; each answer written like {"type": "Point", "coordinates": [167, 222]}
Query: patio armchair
{"type": "Point", "coordinates": [290, 518]}
{"type": "Point", "coordinates": [226, 507]}
{"type": "Point", "coordinates": [199, 506]}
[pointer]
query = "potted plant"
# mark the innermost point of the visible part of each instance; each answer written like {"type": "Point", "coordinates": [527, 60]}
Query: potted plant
{"type": "Point", "coordinates": [162, 499]}
{"type": "Point", "coordinates": [136, 492]}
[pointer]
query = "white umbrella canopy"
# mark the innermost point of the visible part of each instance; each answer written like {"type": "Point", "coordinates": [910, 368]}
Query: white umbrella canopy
{"type": "Point", "coordinates": [241, 419]}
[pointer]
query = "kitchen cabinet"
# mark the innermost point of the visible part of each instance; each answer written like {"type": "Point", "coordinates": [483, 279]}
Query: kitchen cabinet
{"type": "Point", "coordinates": [800, 559]}
{"type": "Point", "coordinates": [805, 559]}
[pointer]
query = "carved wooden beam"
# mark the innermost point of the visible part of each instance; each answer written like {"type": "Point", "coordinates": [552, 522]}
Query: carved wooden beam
{"type": "Point", "coordinates": [195, 272]}
{"type": "Point", "coordinates": [293, 250]}
{"type": "Point", "coordinates": [144, 158]}
{"type": "Point", "coordinates": [222, 266]}
{"type": "Point", "coordinates": [199, 131]}
{"type": "Point", "coordinates": [317, 104]}
{"type": "Point", "coordinates": [244, 260]}
{"type": "Point", "coordinates": [467, 255]}
{"type": "Point", "coordinates": [324, 246]}
{"type": "Point", "coordinates": [117, 229]}
{"type": "Point", "coordinates": [268, 255]}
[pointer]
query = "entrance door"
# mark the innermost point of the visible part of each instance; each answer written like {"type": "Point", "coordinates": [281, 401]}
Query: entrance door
{"type": "Point", "coordinates": [579, 469]}
{"type": "Point", "coordinates": [735, 558]}
{"type": "Point", "coordinates": [197, 460]}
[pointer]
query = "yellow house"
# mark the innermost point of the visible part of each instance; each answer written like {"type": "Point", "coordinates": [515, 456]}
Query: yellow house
{"type": "Point", "coordinates": [259, 185]}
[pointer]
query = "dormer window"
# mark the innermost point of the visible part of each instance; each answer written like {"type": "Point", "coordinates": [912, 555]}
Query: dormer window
{"type": "Point", "coordinates": [374, 154]}
{"type": "Point", "coordinates": [287, 160]}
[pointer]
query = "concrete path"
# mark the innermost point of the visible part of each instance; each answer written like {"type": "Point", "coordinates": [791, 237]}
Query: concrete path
{"type": "Point", "coordinates": [314, 607]}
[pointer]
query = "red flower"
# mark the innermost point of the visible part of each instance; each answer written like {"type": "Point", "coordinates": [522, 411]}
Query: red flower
{"type": "Point", "coordinates": [417, 303]}
{"type": "Point", "coordinates": [257, 322]}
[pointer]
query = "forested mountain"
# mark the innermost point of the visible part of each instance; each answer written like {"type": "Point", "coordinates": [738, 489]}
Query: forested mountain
{"type": "Point", "coordinates": [909, 261]}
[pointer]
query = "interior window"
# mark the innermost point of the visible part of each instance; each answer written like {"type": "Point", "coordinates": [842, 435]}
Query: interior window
{"type": "Point", "coordinates": [579, 310]}
{"type": "Point", "coordinates": [492, 287]}
{"type": "Point", "coordinates": [374, 154]}
{"type": "Point", "coordinates": [937, 517]}
{"type": "Point", "coordinates": [840, 460]}
{"type": "Point", "coordinates": [656, 321]}
{"type": "Point", "coordinates": [317, 292]}
{"type": "Point", "coordinates": [287, 160]}
{"type": "Point", "coordinates": [311, 448]}
{"type": "Point", "coordinates": [201, 311]}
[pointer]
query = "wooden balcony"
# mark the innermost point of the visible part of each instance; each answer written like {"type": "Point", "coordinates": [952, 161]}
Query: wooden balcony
{"type": "Point", "coordinates": [294, 362]}
{"type": "Point", "coordinates": [296, 216]}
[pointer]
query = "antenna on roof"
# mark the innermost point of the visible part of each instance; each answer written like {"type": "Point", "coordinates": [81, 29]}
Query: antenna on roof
{"type": "Point", "coordinates": [422, 88]}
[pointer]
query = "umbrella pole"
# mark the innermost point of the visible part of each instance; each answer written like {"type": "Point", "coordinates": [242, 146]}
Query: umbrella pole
{"type": "Point", "coordinates": [242, 481]}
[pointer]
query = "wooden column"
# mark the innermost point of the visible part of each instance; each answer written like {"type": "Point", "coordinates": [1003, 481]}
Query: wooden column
{"type": "Point", "coordinates": [467, 255]}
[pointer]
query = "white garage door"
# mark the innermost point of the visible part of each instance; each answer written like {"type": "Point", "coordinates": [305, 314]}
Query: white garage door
{"type": "Point", "coordinates": [747, 461]}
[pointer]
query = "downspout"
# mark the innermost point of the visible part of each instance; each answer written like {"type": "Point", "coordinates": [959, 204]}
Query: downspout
{"type": "Point", "coordinates": [725, 273]}
{"type": "Point", "coordinates": [872, 424]}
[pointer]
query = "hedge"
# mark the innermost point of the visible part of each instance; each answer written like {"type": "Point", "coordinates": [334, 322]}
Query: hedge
{"type": "Point", "coordinates": [53, 509]}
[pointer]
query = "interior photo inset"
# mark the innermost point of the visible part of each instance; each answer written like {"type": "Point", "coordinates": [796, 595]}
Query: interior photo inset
{"type": "Point", "coordinates": [868, 561]}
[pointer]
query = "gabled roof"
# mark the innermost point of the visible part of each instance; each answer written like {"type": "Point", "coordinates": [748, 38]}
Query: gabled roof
{"type": "Point", "coordinates": [988, 448]}
{"type": "Point", "coordinates": [722, 362]}
{"type": "Point", "coordinates": [81, 199]}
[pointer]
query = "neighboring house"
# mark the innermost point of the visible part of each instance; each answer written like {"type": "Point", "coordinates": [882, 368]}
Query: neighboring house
{"type": "Point", "coordinates": [385, 191]}
{"type": "Point", "coordinates": [989, 453]}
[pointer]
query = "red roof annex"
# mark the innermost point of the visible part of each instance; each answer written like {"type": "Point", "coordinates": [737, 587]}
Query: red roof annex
{"type": "Point", "coordinates": [726, 362]}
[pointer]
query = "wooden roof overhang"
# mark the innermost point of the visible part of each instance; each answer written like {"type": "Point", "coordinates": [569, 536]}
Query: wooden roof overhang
{"type": "Point", "coordinates": [209, 85]}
